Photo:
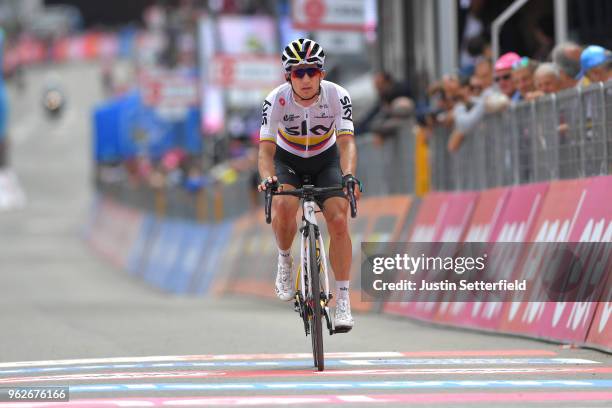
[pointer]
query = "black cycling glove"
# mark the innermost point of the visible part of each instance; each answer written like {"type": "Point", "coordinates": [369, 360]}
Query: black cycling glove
{"type": "Point", "coordinates": [349, 178]}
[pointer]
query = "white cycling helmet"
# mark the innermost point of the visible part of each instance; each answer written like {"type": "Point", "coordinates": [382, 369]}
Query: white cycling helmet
{"type": "Point", "coordinates": [303, 51]}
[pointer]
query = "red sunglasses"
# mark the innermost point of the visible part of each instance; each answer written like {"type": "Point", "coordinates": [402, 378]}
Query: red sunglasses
{"type": "Point", "coordinates": [300, 72]}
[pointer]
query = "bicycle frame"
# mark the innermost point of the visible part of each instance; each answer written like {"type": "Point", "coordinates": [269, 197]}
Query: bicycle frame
{"type": "Point", "coordinates": [309, 217]}
{"type": "Point", "coordinates": [313, 296]}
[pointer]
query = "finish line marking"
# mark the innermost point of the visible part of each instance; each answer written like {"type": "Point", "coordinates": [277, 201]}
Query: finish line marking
{"type": "Point", "coordinates": [303, 373]}
{"type": "Point", "coordinates": [348, 385]}
{"type": "Point", "coordinates": [308, 363]}
{"type": "Point", "coordinates": [406, 399]}
{"type": "Point", "coordinates": [286, 356]}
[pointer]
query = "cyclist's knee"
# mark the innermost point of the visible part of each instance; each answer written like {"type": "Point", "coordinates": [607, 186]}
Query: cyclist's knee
{"type": "Point", "coordinates": [285, 208]}
{"type": "Point", "coordinates": [337, 223]}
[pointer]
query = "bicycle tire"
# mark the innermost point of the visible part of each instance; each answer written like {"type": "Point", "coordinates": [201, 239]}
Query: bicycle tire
{"type": "Point", "coordinates": [316, 331]}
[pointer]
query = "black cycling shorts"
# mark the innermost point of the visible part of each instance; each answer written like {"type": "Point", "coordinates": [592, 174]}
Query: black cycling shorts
{"type": "Point", "coordinates": [323, 169]}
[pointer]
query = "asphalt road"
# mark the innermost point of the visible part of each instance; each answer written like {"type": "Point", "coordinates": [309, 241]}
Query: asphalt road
{"type": "Point", "coordinates": [68, 318]}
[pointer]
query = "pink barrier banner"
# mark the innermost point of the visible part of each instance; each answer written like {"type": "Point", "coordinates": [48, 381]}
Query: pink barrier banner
{"type": "Point", "coordinates": [442, 217]}
{"type": "Point", "coordinates": [429, 218]}
{"type": "Point", "coordinates": [520, 213]}
{"type": "Point", "coordinates": [600, 333]}
{"type": "Point", "coordinates": [528, 314]}
{"type": "Point", "coordinates": [456, 219]}
{"type": "Point", "coordinates": [487, 214]}
{"type": "Point", "coordinates": [521, 206]}
{"type": "Point", "coordinates": [594, 224]}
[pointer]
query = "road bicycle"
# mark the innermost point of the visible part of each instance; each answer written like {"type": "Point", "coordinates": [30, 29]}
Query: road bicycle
{"type": "Point", "coordinates": [312, 284]}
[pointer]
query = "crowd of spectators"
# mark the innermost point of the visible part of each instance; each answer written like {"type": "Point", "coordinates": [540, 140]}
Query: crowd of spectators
{"type": "Point", "coordinates": [459, 101]}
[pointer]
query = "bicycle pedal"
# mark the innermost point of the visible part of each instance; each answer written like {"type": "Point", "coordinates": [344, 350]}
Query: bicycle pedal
{"type": "Point", "coordinates": [339, 330]}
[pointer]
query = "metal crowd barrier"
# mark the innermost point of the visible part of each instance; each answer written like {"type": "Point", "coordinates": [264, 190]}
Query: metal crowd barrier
{"type": "Point", "coordinates": [560, 136]}
{"type": "Point", "coordinates": [388, 168]}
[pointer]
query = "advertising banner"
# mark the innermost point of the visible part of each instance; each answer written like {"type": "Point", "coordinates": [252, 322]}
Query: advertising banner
{"type": "Point", "coordinates": [559, 213]}
{"type": "Point", "coordinates": [337, 15]}
{"type": "Point", "coordinates": [487, 214]}
{"type": "Point", "coordinates": [385, 219]}
{"type": "Point", "coordinates": [442, 217]}
{"type": "Point", "coordinates": [246, 71]}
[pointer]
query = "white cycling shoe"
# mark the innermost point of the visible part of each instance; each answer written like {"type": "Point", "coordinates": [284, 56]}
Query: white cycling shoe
{"type": "Point", "coordinates": [285, 285]}
{"type": "Point", "coordinates": [343, 320]}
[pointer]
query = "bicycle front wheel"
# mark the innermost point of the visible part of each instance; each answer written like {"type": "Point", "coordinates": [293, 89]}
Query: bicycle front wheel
{"type": "Point", "coordinates": [316, 331]}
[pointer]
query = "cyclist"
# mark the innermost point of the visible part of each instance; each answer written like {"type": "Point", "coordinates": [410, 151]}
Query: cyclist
{"type": "Point", "coordinates": [307, 129]}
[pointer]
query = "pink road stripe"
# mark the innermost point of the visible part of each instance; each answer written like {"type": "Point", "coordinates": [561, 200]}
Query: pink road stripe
{"type": "Point", "coordinates": [286, 356]}
{"type": "Point", "coordinates": [304, 373]}
{"type": "Point", "coordinates": [442, 353]}
{"type": "Point", "coordinates": [327, 399]}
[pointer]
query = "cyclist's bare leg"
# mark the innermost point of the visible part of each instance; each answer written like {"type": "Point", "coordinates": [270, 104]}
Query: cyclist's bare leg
{"type": "Point", "coordinates": [340, 247]}
{"type": "Point", "coordinates": [340, 254]}
{"type": "Point", "coordinates": [284, 224]}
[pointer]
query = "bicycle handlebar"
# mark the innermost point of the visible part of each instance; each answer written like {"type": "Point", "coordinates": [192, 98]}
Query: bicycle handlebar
{"type": "Point", "coordinates": [314, 191]}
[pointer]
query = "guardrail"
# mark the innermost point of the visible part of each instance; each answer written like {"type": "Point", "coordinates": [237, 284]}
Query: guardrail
{"type": "Point", "coordinates": [560, 136]}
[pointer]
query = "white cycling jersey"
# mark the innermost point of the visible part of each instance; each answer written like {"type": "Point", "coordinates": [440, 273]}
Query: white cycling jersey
{"type": "Point", "coordinates": [306, 132]}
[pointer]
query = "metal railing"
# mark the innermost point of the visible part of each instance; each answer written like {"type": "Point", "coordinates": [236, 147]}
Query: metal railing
{"type": "Point", "coordinates": [567, 135]}
{"type": "Point", "coordinates": [560, 136]}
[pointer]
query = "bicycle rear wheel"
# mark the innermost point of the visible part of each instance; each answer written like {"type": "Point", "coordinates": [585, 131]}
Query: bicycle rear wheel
{"type": "Point", "coordinates": [316, 331]}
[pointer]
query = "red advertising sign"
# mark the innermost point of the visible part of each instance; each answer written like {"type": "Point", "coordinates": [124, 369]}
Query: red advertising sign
{"type": "Point", "coordinates": [337, 15]}
{"type": "Point", "coordinates": [246, 71]}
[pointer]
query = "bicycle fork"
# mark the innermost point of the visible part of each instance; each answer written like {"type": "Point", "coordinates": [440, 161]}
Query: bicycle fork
{"type": "Point", "coordinates": [300, 306]}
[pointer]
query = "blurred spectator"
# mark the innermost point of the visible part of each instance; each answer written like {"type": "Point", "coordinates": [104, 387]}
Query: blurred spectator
{"type": "Point", "coordinates": [503, 73]}
{"type": "Point", "coordinates": [484, 73]}
{"type": "Point", "coordinates": [547, 80]}
{"type": "Point", "coordinates": [479, 47]}
{"type": "Point", "coordinates": [476, 87]}
{"type": "Point", "coordinates": [544, 35]}
{"type": "Point", "coordinates": [451, 95]}
{"type": "Point", "coordinates": [106, 75]}
{"type": "Point", "coordinates": [566, 56]}
{"type": "Point", "coordinates": [472, 39]}
{"type": "Point", "coordinates": [522, 75]}
{"type": "Point", "coordinates": [401, 109]}
{"type": "Point", "coordinates": [388, 89]}
{"type": "Point", "coordinates": [595, 64]}
{"type": "Point", "coordinates": [492, 98]}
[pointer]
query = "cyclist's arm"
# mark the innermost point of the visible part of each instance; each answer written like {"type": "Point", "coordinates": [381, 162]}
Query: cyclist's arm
{"type": "Point", "coordinates": [348, 154]}
{"type": "Point", "coordinates": [266, 159]}
{"type": "Point", "coordinates": [267, 138]}
{"type": "Point", "coordinates": [345, 138]}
